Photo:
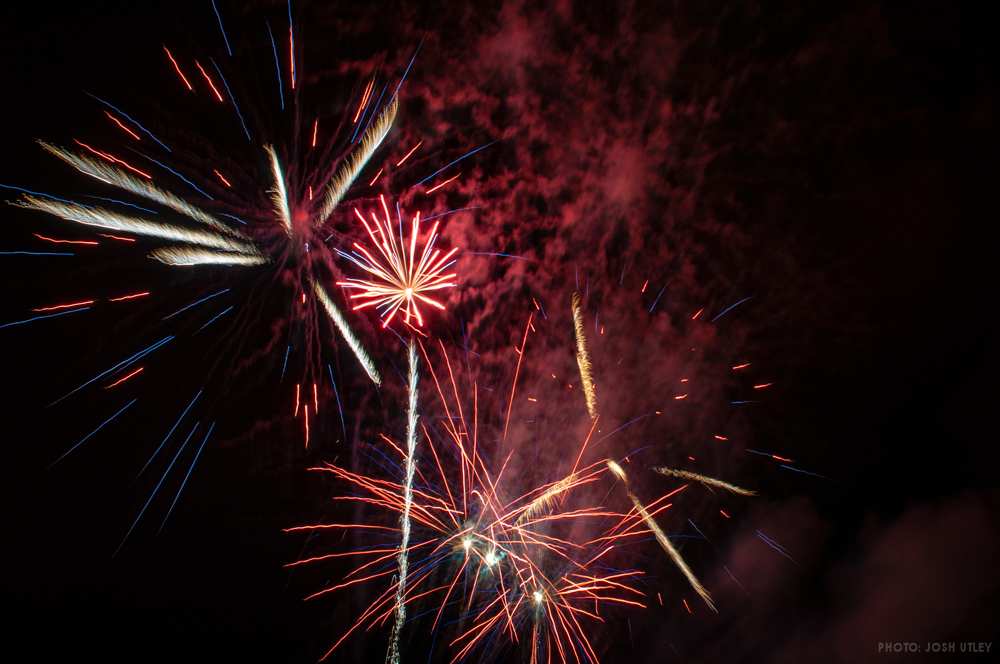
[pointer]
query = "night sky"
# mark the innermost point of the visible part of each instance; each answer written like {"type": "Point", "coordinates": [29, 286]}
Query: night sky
{"type": "Point", "coordinates": [812, 159]}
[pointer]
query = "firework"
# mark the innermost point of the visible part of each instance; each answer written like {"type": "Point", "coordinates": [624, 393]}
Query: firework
{"type": "Point", "coordinates": [116, 177]}
{"type": "Point", "coordinates": [115, 221]}
{"type": "Point", "coordinates": [404, 521]}
{"type": "Point", "coordinates": [352, 340]}
{"type": "Point", "coordinates": [583, 357]}
{"type": "Point", "coordinates": [662, 538]}
{"type": "Point", "coordinates": [506, 563]}
{"type": "Point", "coordinates": [186, 235]}
{"type": "Point", "coordinates": [704, 479]}
{"type": "Point", "coordinates": [279, 195]}
{"type": "Point", "coordinates": [186, 256]}
{"type": "Point", "coordinates": [399, 279]}
{"type": "Point", "coordinates": [348, 172]}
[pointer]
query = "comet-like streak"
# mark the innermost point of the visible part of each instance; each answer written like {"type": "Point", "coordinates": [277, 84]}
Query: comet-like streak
{"type": "Point", "coordinates": [704, 479]}
{"type": "Point", "coordinates": [346, 174]}
{"type": "Point", "coordinates": [583, 358]}
{"type": "Point", "coordinates": [279, 194]}
{"type": "Point", "coordinates": [187, 256]}
{"type": "Point", "coordinates": [411, 447]}
{"type": "Point", "coordinates": [662, 538]}
{"type": "Point", "coordinates": [119, 178]}
{"type": "Point", "coordinates": [338, 319]}
{"type": "Point", "coordinates": [110, 220]}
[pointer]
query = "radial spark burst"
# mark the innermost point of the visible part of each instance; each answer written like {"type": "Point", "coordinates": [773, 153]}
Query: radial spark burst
{"type": "Point", "coordinates": [266, 219]}
{"type": "Point", "coordinates": [399, 278]}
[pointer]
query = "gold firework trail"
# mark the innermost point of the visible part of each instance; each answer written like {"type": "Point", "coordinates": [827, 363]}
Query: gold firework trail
{"type": "Point", "coordinates": [404, 521]}
{"type": "Point", "coordinates": [279, 195]}
{"type": "Point", "coordinates": [704, 479]}
{"type": "Point", "coordinates": [348, 172]}
{"type": "Point", "coordinates": [108, 219]}
{"type": "Point", "coordinates": [118, 178]}
{"type": "Point", "coordinates": [544, 501]}
{"type": "Point", "coordinates": [583, 358]}
{"type": "Point", "coordinates": [662, 538]}
{"type": "Point", "coordinates": [338, 319]}
{"type": "Point", "coordinates": [187, 256]}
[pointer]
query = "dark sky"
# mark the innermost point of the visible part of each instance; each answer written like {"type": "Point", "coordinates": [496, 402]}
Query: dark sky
{"type": "Point", "coordinates": [813, 158]}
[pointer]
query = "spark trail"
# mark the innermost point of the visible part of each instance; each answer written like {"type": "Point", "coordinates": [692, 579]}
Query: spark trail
{"type": "Point", "coordinates": [704, 479]}
{"type": "Point", "coordinates": [403, 561]}
{"type": "Point", "coordinates": [352, 340]}
{"type": "Point", "coordinates": [662, 538]}
{"type": "Point", "coordinates": [348, 173]}
{"type": "Point", "coordinates": [583, 357]}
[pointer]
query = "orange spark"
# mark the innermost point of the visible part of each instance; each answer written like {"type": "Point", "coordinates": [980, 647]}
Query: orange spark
{"type": "Point", "coordinates": [364, 100]}
{"type": "Point", "coordinates": [377, 176]}
{"type": "Point", "coordinates": [436, 187]}
{"type": "Point", "coordinates": [306, 409]}
{"type": "Point", "coordinates": [55, 241]}
{"type": "Point", "coordinates": [209, 80]}
{"type": "Point", "coordinates": [291, 54]}
{"type": "Point", "coordinates": [123, 379]}
{"type": "Point", "coordinates": [128, 297]}
{"type": "Point", "coordinates": [407, 155]}
{"type": "Point", "coordinates": [221, 177]}
{"type": "Point", "coordinates": [123, 127]}
{"type": "Point", "coordinates": [761, 386]}
{"type": "Point", "coordinates": [315, 129]}
{"type": "Point", "coordinates": [113, 159]}
{"type": "Point", "coordinates": [741, 366]}
{"type": "Point", "coordinates": [64, 306]}
{"type": "Point", "coordinates": [178, 69]}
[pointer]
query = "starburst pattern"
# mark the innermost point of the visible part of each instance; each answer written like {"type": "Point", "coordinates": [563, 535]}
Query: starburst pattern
{"type": "Point", "coordinates": [399, 279]}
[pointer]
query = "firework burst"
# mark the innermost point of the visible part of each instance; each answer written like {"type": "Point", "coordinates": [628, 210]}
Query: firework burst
{"type": "Point", "coordinates": [400, 276]}
{"type": "Point", "coordinates": [257, 225]}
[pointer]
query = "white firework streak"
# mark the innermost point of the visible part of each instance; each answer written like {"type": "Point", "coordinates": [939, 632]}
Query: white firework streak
{"type": "Point", "coordinates": [279, 194]}
{"type": "Point", "coordinates": [411, 447]}
{"type": "Point", "coordinates": [123, 180]}
{"type": "Point", "coordinates": [188, 256]}
{"type": "Point", "coordinates": [347, 173]}
{"type": "Point", "coordinates": [704, 479]}
{"type": "Point", "coordinates": [662, 538]}
{"type": "Point", "coordinates": [338, 319]}
{"type": "Point", "coordinates": [110, 220]}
